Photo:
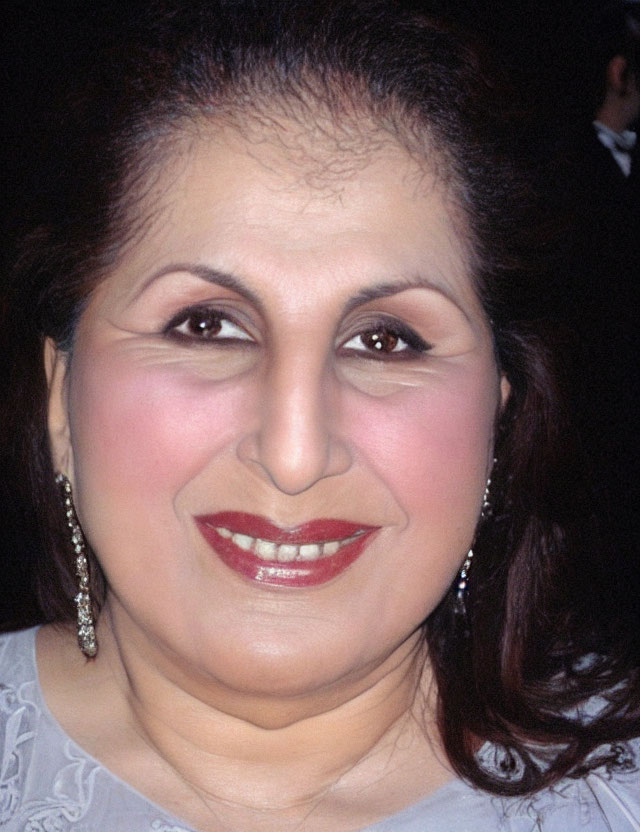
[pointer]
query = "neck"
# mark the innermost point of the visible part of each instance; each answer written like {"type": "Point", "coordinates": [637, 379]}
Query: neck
{"type": "Point", "coordinates": [268, 753]}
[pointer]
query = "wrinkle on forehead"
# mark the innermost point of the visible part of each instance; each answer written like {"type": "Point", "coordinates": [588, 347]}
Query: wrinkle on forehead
{"type": "Point", "coordinates": [307, 149]}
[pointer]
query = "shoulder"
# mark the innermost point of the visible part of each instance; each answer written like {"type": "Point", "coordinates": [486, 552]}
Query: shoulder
{"type": "Point", "coordinates": [18, 674]}
{"type": "Point", "coordinates": [607, 799]}
{"type": "Point", "coordinates": [19, 715]}
{"type": "Point", "coordinates": [47, 782]}
{"type": "Point", "coordinates": [17, 656]}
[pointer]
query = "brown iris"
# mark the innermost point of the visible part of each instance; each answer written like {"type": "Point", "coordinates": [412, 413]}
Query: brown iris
{"type": "Point", "coordinates": [380, 340]}
{"type": "Point", "coordinates": [205, 323]}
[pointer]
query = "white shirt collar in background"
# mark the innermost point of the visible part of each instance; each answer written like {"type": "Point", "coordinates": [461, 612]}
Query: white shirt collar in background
{"type": "Point", "coordinates": [620, 144]}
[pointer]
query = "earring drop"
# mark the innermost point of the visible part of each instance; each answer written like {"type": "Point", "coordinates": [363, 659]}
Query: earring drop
{"type": "Point", "coordinates": [463, 574]}
{"type": "Point", "coordinates": [485, 510]}
{"type": "Point", "coordinates": [461, 588]}
{"type": "Point", "coordinates": [85, 623]}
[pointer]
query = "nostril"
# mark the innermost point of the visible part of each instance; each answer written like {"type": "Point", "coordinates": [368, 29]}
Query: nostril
{"type": "Point", "coordinates": [294, 470]}
{"type": "Point", "coordinates": [294, 443]}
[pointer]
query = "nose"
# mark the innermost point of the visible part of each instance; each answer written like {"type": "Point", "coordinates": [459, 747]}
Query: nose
{"type": "Point", "coordinates": [295, 445]}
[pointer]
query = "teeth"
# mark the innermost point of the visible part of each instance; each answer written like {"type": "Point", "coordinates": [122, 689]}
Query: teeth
{"type": "Point", "coordinates": [243, 541]}
{"type": "Point", "coordinates": [311, 551]}
{"type": "Point", "coordinates": [266, 549]}
{"type": "Point", "coordinates": [286, 552]}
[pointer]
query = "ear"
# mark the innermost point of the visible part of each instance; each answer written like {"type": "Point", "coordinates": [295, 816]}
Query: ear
{"type": "Point", "coordinates": [56, 363]}
{"type": "Point", "coordinates": [618, 74]}
{"type": "Point", "coordinates": [505, 391]}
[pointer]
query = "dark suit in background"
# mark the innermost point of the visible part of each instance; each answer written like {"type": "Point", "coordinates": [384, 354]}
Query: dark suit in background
{"type": "Point", "coordinates": [603, 306]}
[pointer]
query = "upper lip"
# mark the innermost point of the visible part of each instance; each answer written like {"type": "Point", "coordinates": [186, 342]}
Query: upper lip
{"type": "Point", "coordinates": [321, 530]}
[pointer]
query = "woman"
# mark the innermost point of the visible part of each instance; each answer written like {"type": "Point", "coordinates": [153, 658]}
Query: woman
{"type": "Point", "coordinates": [296, 453]}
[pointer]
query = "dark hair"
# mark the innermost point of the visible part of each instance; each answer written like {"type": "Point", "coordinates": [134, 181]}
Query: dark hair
{"type": "Point", "coordinates": [529, 651]}
{"type": "Point", "coordinates": [613, 30]}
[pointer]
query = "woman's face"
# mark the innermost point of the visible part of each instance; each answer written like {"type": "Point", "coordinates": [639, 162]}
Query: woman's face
{"type": "Point", "coordinates": [278, 414]}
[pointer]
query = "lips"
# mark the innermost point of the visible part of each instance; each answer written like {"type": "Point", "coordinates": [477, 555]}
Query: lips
{"type": "Point", "coordinates": [306, 555]}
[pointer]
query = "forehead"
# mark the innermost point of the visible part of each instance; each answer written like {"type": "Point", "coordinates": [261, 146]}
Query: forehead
{"type": "Point", "coordinates": [276, 206]}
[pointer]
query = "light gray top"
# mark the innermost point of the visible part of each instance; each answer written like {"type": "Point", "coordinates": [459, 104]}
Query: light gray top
{"type": "Point", "coordinates": [49, 784]}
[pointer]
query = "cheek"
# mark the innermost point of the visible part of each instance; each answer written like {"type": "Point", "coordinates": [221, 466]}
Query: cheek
{"type": "Point", "coordinates": [143, 432]}
{"type": "Point", "coordinates": [432, 444]}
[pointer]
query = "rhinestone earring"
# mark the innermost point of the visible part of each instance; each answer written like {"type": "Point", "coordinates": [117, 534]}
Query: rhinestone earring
{"type": "Point", "coordinates": [461, 589]}
{"type": "Point", "coordinates": [85, 623]}
{"type": "Point", "coordinates": [463, 574]}
{"type": "Point", "coordinates": [485, 511]}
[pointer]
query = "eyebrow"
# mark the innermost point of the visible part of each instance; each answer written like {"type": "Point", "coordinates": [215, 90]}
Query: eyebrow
{"type": "Point", "coordinates": [388, 289]}
{"type": "Point", "coordinates": [367, 295]}
{"type": "Point", "coordinates": [219, 278]}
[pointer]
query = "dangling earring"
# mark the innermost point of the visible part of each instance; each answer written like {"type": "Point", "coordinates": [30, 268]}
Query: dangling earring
{"type": "Point", "coordinates": [461, 589]}
{"type": "Point", "coordinates": [485, 511]}
{"type": "Point", "coordinates": [85, 624]}
{"type": "Point", "coordinates": [463, 574]}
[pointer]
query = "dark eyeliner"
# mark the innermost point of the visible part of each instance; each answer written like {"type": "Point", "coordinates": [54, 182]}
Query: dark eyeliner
{"type": "Point", "coordinates": [182, 316]}
{"type": "Point", "coordinates": [411, 338]}
{"type": "Point", "coordinates": [408, 335]}
{"type": "Point", "coordinates": [169, 330]}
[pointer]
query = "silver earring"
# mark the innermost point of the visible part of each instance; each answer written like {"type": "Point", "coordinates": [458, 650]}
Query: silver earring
{"type": "Point", "coordinates": [485, 511]}
{"type": "Point", "coordinates": [461, 589]}
{"type": "Point", "coordinates": [463, 574]}
{"type": "Point", "coordinates": [85, 623]}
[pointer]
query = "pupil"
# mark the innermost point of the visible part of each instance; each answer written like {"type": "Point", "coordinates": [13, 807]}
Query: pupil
{"type": "Point", "coordinates": [205, 324]}
{"type": "Point", "coordinates": [381, 340]}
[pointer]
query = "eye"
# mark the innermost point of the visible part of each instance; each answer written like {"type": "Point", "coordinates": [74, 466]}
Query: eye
{"type": "Point", "coordinates": [387, 339]}
{"type": "Point", "coordinates": [202, 323]}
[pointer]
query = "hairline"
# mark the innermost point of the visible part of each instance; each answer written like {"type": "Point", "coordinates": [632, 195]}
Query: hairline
{"type": "Point", "coordinates": [257, 121]}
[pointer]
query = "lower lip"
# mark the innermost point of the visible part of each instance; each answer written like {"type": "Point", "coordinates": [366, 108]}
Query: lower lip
{"type": "Point", "coordinates": [291, 574]}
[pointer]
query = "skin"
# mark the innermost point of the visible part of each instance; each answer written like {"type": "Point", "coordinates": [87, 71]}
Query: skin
{"type": "Point", "coordinates": [226, 715]}
{"type": "Point", "coordinates": [621, 105]}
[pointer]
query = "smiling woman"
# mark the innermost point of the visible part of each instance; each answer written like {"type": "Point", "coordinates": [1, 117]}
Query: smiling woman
{"type": "Point", "coordinates": [285, 428]}
{"type": "Point", "coordinates": [307, 438]}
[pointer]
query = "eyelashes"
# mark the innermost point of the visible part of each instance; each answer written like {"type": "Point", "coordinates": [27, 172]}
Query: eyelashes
{"type": "Point", "coordinates": [386, 338]}
{"type": "Point", "coordinates": [203, 324]}
{"type": "Point", "coordinates": [378, 339]}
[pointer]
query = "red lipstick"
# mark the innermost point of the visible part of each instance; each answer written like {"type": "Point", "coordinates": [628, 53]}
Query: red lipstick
{"type": "Point", "coordinates": [306, 555]}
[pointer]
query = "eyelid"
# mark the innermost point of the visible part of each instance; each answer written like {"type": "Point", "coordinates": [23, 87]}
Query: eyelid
{"type": "Point", "coordinates": [415, 343]}
{"type": "Point", "coordinates": [171, 327]}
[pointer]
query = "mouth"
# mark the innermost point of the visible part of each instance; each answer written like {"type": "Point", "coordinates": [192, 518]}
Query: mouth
{"type": "Point", "coordinates": [306, 555]}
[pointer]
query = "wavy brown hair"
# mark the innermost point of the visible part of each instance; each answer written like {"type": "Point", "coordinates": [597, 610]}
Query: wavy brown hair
{"type": "Point", "coordinates": [538, 638]}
